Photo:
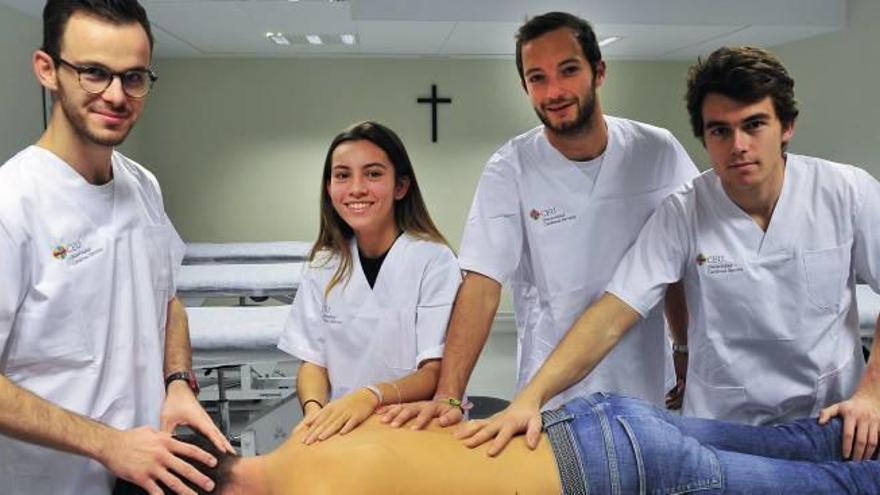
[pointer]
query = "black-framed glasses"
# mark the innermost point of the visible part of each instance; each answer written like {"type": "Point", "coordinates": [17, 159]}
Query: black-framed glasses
{"type": "Point", "coordinates": [94, 79]}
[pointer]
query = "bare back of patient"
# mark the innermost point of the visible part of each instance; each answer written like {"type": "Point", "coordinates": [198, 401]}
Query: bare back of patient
{"type": "Point", "coordinates": [378, 459]}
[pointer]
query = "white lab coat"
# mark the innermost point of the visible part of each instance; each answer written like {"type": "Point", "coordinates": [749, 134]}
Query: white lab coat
{"type": "Point", "coordinates": [773, 329]}
{"type": "Point", "coordinates": [538, 222]}
{"type": "Point", "coordinates": [82, 308]}
{"type": "Point", "coordinates": [365, 336]}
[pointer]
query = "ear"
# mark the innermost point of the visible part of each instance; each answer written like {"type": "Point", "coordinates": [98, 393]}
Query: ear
{"type": "Point", "coordinates": [788, 133]}
{"type": "Point", "coordinates": [401, 188]}
{"type": "Point", "coordinates": [599, 76]}
{"type": "Point", "coordinates": [44, 69]}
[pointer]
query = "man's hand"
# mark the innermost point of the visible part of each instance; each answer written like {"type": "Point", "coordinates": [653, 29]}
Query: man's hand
{"type": "Point", "coordinates": [340, 416]}
{"type": "Point", "coordinates": [146, 457]}
{"type": "Point", "coordinates": [421, 413]}
{"type": "Point", "coordinates": [521, 416]}
{"type": "Point", "coordinates": [181, 407]}
{"type": "Point", "coordinates": [861, 424]}
{"type": "Point", "coordinates": [675, 396]}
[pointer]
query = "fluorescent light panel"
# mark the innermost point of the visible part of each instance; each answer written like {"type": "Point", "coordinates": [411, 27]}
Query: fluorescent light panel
{"type": "Point", "coordinates": [348, 39]}
{"type": "Point", "coordinates": [607, 41]}
{"type": "Point", "coordinates": [278, 38]}
{"type": "Point", "coordinates": [314, 39]}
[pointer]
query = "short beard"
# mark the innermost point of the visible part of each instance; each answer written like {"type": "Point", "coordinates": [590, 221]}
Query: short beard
{"type": "Point", "coordinates": [582, 124]}
{"type": "Point", "coordinates": [77, 121]}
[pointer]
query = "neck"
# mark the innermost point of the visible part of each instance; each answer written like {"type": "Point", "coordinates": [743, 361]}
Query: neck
{"type": "Point", "coordinates": [248, 476]}
{"type": "Point", "coordinates": [759, 201]}
{"type": "Point", "coordinates": [585, 145]}
{"type": "Point", "coordinates": [376, 243]}
{"type": "Point", "coordinates": [90, 160]}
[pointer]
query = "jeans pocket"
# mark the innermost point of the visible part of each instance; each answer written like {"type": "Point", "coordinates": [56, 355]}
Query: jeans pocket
{"type": "Point", "coordinates": [669, 462]}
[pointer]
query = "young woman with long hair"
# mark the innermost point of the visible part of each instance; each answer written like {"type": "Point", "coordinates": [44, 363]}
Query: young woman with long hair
{"type": "Point", "coordinates": [369, 319]}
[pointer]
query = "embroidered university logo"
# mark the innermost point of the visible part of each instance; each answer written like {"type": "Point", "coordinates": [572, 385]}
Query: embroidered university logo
{"type": "Point", "coordinates": [328, 316]}
{"type": "Point", "coordinates": [551, 216]}
{"type": "Point", "coordinates": [59, 252]}
{"type": "Point", "coordinates": [718, 264]}
{"type": "Point", "coordinates": [73, 253]}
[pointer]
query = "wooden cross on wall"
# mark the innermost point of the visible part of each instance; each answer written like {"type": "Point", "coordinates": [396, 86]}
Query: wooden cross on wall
{"type": "Point", "coordinates": [434, 100]}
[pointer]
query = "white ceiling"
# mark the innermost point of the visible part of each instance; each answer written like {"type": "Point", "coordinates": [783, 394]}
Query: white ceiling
{"type": "Point", "coordinates": [650, 29]}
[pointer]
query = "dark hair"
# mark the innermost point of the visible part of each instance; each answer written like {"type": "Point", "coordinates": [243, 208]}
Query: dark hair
{"type": "Point", "coordinates": [56, 13]}
{"type": "Point", "coordinates": [746, 74]}
{"type": "Point", "coordinates": [410, 213]}
{"type": "Point", "coordinates": [219, 474]}
{"type": "Point", "coordinates": [551, 21]}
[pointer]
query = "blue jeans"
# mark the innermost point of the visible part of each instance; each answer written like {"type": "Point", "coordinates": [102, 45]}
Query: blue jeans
{"type": "Point", "coordinates": [619, 445]}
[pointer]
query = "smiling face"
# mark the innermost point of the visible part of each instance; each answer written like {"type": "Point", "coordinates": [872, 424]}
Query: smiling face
{"type": "Point", "coordinates": [106, 118]}
{"type": "Point", "coordinates": [744, 141]}
{"type": "Point", "coordinates": [363, 189]}
{"type": "Point", "coordinates": [559, 81]}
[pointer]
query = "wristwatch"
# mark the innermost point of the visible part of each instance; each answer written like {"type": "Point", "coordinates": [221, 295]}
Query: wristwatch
{"type": "Point", "coordinates": [186, 375]}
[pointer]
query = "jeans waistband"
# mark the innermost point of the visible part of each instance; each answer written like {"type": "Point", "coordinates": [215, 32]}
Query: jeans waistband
{"type": "Point", "coordinates": [597, 443]}
{"type": "Point", "coordinates": [569, 462]}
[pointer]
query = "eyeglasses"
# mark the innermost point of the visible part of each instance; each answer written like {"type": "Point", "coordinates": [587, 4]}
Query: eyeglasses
{"type": "Point", "coordinates": [136, 83]}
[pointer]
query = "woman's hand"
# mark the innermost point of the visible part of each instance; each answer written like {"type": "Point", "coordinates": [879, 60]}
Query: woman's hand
{"type": "Point", "coordinates": [339, 416]}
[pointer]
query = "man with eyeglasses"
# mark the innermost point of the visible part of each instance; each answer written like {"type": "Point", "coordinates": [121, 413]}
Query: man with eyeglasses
{"type": "Point", "coordinates": [94, 347]}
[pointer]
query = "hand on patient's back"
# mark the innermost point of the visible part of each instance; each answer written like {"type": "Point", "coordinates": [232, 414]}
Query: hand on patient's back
{"type": "Point", "coordinates": [517, 419]}
{"type": "Point", "coordinates": [147, 457]}
{"type": "Point", "coordinates": [340, 416]}
{"type": "Point", "coordinates": [311, 410]}
{"type": "Point", "coordinates": [861, 425]}
{"type": "Point", "coordinates": [419, 414]}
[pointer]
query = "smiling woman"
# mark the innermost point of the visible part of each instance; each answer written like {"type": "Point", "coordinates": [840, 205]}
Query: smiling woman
{"type": "Point", "coordinates": [370, 317]}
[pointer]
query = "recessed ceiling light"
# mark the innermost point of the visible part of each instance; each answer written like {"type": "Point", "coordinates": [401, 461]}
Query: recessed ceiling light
{"type": "Point", "coordinates": [314, 39]}
{"type": "Point", "coordinates": [348, 39]}
{"type": "Point", "coordinates": [611, 39]}
{"type": "Point", "coordinates": [278, 38]}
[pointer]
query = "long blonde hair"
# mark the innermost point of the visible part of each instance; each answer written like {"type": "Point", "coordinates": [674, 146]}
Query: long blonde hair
{"type": "Point", "coordinates": [410, 214]}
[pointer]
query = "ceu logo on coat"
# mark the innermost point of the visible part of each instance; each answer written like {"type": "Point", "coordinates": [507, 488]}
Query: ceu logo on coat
{"type": "Point", "coordinates": [718, 264]}
{"type": "Point", "coordinates": [328, 316]}
{"type": "Point", "coordinates": [550, 216]}
{"type": "Point", "coordinates": [74, 253]}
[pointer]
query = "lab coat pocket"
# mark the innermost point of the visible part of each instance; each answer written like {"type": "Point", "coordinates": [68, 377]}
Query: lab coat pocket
{"type": "Point", "coordinates": [826, 273]}
{"type": "Point", "coordinates": [708, 399]}
{"type": "Point", "coordinates": [158, 246]}
{"type": "Point", "coordinates": [398, 339]}
{"type": "Point", "coordinates": [50, 342]}
{"type": "Point", "coordinates": [837, 385]}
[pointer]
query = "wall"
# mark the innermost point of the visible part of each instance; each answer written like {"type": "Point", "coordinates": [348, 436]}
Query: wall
{"type": "Point", "coordinates": [20, 105]}
{"type": "Point", "coordinates": [836, 82]}
{"type": "Point", "coordinates": [239, 144]}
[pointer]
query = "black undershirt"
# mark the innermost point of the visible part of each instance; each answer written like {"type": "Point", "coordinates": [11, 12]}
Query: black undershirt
{"type": "Point", "coordinates": [371, 266]}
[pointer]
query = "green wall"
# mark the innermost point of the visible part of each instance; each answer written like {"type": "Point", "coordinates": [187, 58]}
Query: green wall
{"type": "Point", "coordinates": [239, 144]}
{"type": "Point", "coordinates": [20, 107]}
